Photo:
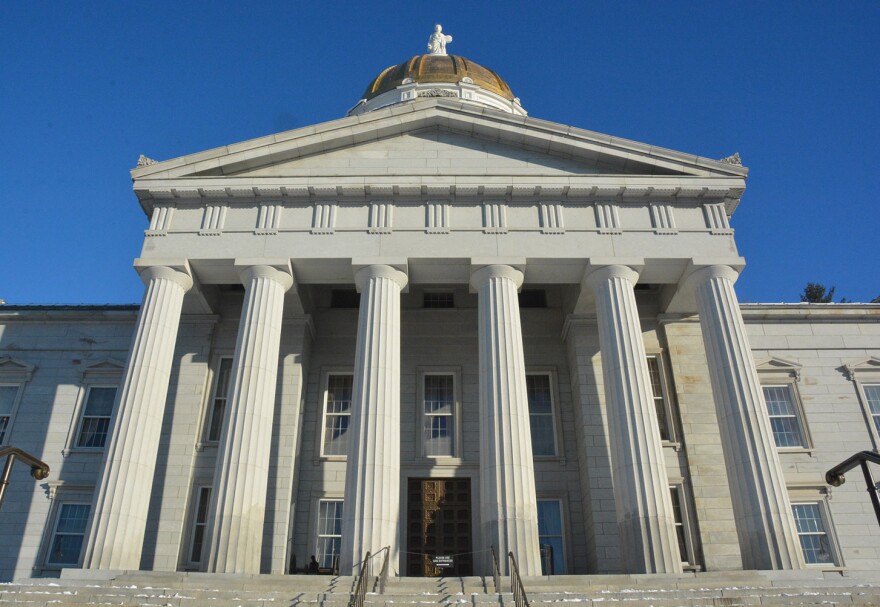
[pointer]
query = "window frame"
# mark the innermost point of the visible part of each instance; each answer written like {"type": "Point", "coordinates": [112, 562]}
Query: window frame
{"type": "Point", "coordinates": [422, 373]}
{"type": "Point", "coordinates": [866, 372]}
{"type": "Point", "coordinates": [87, 392]}
{"type": "Point", "coordinates": [62, 493]}
{"type": "Point", "coordinates": [213, 380]}
{"type": "Point", "coordinates": [550, 372]}
{"type": "Point", "coordinates": [316, 522]}
{"type": "Point", "coordinates": [106, 373]}
{"type": "Point", "coordinates": [687, 524]}
{"type": "Point", "coordinates": [775, 373]}
{"type": "Point", "coordinates": [6, 430]}
{"type": "Point", "coordinates": [14, 373]}
{"type": "Point", "coordinates": [325, 379]}
{"type": "Point", "coordinates": [563, 518]}
{"type": "Point", "coordinates": [666, 396]}
{"type": "Point", "coordinates": [825, 516]}
{"type": "Point", "coordinates": [196, 502]}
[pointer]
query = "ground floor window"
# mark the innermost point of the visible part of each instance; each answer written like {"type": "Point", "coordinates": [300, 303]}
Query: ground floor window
{"type": "Point", "coordinates": [813, 533]}
{"type": "Point", "coordinates": [550, 536]}
{"type": "Point", "coordinates": [200, 524]}
{"type": "Point", "coordinates": [329, 533]}
{"type": "Point", "coordinates": [682, 525]}
{"type": "Point", "coordinates": [872, 395]}
{"type": "Point", "coordinates": [68, 535]}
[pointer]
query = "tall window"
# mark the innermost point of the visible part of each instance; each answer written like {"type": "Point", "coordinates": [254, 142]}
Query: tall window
{"type": "Point", "coordinates": [872, 395]}
{"type": "Point", "coordinates": [8, 394]}
{"type": "Point", "coordinates": [200, 524]}
{"type": "Point", "coordinates": [217, 410]}
{"type": "Point", "coordinates": [682, 530]}
{"type": "Point", "coordinates": [550, 535]}
{"type": "Point", "coordinates": [541, 413]}
{"type": "Point", "coordinates": [67, 538]}
{"type": "Point", "coordinates": [660, 402]}
{"type": "Point", "coordinates": [95, 424]}
{"type": "Point", "coordinates": [813, 533]}
{"type": "Point", "coordinates": [784, 420]}
{"type": "Point", "coordinates": [337, 414]}
{"type": "Point", "coordinates": [329, 532]}
{"type": "Point", "coordinates": [438, 430]}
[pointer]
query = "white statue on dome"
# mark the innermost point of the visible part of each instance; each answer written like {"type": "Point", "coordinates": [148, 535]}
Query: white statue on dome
{"type": "Point", "coordinates": [438, 41]}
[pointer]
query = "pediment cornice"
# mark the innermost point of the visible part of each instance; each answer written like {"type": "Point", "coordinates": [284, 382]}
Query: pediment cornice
{"type": "Point", "coordinates": [462, 118]}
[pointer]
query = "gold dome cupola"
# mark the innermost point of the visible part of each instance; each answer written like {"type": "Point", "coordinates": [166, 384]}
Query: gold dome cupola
{"type": "Point", "coordinates": [437, 74]}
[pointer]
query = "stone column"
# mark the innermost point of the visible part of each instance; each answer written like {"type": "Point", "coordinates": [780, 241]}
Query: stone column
{"type": "Point", "coordinates": [240, 479]}
{"type": "Point", "coordinates": [122, 496]}
{"type": "Point", "coordinates": [764, 522]}
{"type": "Point", "coordinates": [638, 469]}
{"type": "Point", "coordinates": [509, 509]}
{"type": "Point", "coordinates": [371, 512]}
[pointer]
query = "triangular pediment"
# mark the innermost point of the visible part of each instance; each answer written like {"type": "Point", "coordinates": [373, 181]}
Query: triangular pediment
{"type": "Point", "coordinates": [436, 137]}
{"type": "Point", "coordinates": [12, 369]}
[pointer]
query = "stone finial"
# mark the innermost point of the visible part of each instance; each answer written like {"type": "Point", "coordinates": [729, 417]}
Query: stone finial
{"type": "Point", "coordinates": [143, 161]}
{"type": "Point", "coordinates": [735, 159]}
{"type": "Point", "coordinates": [438, 41]}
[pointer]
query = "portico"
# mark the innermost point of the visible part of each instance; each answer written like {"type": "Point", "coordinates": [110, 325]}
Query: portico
{"type": "Point", "coordinates": [477, 322]}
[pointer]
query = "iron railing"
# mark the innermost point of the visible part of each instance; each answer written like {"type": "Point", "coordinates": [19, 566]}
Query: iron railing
{"type": "Point", "coordinates": [39, 468]}
{"type": "Point", "coordinates": [516, 584]}
{"type": "Point", "coordinates": [364, 575]}
{"type": "Point", "coordinates": [496, 570]}
{"type": "Point", "coordinates": [835, 477]}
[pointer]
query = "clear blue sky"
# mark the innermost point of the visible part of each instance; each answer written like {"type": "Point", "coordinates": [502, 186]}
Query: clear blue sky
{"type": "Point", "coordinates": [86, 87]}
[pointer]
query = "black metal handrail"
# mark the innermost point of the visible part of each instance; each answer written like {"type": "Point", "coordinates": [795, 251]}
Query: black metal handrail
{"type": "Point", "coordinates": [496, 570]}
{"type": "Point", "coordinates": [383, 572]}
{"type": "Point", "coordinates": [835, 477]}
{"type": "Point", "coordinates": [360, 590]}
{"type": "Point", "coordinates": [516, 585]}
{"type": "Point", "coordinates": [39, 468]}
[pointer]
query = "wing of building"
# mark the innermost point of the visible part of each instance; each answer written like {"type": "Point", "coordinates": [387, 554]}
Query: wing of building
{"type": "Point", "coordinates": [442, 328]}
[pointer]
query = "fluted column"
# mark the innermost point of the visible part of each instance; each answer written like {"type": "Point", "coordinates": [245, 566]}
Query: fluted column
{"type": "Point", "coordinates": [122, 497]}
{"type": "Point", "coordinates": [761, 507]}
{"type": "Point", "coordinates": [638, 470]}
{"type": "Point", "coordinates": [240, 480]}
{"type": "Point", "coordinates": [371, 512]}
{"type": "Point", "coordinates": [509, 509]}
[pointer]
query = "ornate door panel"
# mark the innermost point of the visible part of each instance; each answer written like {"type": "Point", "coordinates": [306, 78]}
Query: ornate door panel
{"type": "Point", "coordinates": [439, 524]}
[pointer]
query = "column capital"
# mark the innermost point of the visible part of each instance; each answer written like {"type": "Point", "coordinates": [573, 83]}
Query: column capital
{"type": "Point", "coordinates": [364, 274]}
{"type": "Point", "coordinates": [481, 275]}
{"type": "Point", "coordinates": [701, 274]}
{"type": "Point", "coordinates": [596, 272]}
{"type": "Point", "coordinates": [276, 273]}
{"type": "Point", "coordinates": [175, 270]}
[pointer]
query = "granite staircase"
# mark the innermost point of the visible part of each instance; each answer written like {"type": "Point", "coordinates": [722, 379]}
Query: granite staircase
{"type": "Point", "coordinates": [149, 589]}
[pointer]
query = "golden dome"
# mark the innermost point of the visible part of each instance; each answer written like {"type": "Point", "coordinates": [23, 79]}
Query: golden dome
{"type": "Point", "coordinates": [423, 69]}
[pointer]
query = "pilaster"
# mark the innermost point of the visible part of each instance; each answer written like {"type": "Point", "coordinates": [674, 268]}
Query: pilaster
{"type": "Point", "coordinates": [122, 497]}
{"type": "Point", "coordinates": [641, 488]}
{"type": "Point", "coordinates": [240, 481]}
{"type": "Point", "coordinates": [371, 513]}
{"type": "Point", "coordinates": [764, 522]}
{"type": "Point", "coordinates": [509, 511]}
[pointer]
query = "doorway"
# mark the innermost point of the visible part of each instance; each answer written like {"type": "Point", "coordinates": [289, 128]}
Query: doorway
{"type": "Point", "coordinates": [439, 525]}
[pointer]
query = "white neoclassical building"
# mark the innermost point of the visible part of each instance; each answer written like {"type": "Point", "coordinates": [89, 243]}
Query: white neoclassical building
{"type": "Point", "coordinates": [439, 326]}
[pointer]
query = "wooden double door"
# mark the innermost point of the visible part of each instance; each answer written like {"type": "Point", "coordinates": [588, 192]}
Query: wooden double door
{"type": "Point", "coordinates": [439, 525]}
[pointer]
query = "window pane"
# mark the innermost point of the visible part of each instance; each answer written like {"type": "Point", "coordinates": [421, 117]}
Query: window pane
{"type": "Point", "coordinates": [94, 432]}
{"type": "Point", "coordinates": [337, 411]}
{"type": "Point", "coordinates": [66, 549]}
{"type": "Point", "coordinates": [542, 435]}
{"type": "Point", "coordinates": [813, 536]}
{"type": "Point", "coordinates": [7, 399]}
{"type": "Point", "coordinates": [872, 393]}
{"type": "Point", "coordinates": [541, 415]}
{"type": "Point", "coordinates": [69, 531]}
{"type": "Point", "coordinates": [783, 416]}
{"type": "Point", "coordinates": [550, 534]}
{"type": "Point", "coordinates": [100, 402]}
{"type": "Point", "coordinates": [786, 432]}
{"type": "Point", "coordinates": [329, 532]}
{"type": "Point", "coordinates": [4, 421]}
{"type": "Point", "coordinates": [218, 406]}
